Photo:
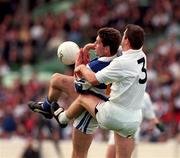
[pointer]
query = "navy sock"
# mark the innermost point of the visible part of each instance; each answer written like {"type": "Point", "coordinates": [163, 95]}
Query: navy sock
{"type": "Point", "coordinates": [47, 105]}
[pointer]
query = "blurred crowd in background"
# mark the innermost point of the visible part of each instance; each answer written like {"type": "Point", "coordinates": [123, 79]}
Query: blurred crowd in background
{"type": "Point", "coordinates": [28, 39]}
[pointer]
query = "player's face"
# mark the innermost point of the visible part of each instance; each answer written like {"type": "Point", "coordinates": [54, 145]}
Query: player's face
{"type": "Point", "coordinates": [99, 48]}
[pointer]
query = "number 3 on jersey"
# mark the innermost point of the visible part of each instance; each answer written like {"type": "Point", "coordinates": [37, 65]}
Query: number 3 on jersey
{"type": "Point", "coordinates": [143, 69]}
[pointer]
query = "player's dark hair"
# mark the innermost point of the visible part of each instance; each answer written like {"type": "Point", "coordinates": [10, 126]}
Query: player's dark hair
{"type": "Point", "coordinates": [110, 37]}
{"type": "Point", "coordinates": [135, 35]}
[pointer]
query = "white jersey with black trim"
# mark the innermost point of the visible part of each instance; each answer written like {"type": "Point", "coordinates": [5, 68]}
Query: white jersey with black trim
{"type": "Point", "coordinates": [128, 76]}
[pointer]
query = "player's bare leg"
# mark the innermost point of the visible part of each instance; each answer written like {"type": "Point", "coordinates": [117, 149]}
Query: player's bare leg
{"type": "Point", "coordinates": [81, 143]}
{"type": "Point", "coordinates": [110, 151]}
{"type": "Point", "coordinates": [89, 102]}
{"type": "Point", "coordinates": [61, 83]}
{"type": "Point", "coordinates": [58, 84]}
{"type": "Point", "coordinates": [123, 146]}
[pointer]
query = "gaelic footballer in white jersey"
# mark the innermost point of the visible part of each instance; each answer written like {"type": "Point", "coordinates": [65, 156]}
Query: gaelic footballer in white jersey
{"type": "Point", "coordinates": [128, 76]}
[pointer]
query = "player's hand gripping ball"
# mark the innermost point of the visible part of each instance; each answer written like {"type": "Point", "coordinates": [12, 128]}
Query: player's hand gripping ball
{"type": "Point", "coordinates": [67, 52]}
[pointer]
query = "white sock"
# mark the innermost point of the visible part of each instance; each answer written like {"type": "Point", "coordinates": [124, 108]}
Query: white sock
{"type": "Point", "coordinates": [63, 118]}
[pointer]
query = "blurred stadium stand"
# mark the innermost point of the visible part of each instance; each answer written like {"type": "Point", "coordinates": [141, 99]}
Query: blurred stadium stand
{"type": "Point", "coordinates": [30, 32]}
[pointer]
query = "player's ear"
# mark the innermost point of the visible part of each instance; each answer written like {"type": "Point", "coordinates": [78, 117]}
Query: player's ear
{"type": "Point", "coordinates": [126, 41]}
{"type": "Point", "coordinates": [107, 51]}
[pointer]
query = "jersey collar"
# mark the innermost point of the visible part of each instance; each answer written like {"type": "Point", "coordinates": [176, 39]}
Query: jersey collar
{"type": "Point", "coordinates": [130, 51]}
{"type": "Point", "coordinates": [107, 59]}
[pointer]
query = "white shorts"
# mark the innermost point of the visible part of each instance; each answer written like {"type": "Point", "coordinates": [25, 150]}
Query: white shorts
{"type": "Point", "coordinates": [123, 121]}
{"type": "Point", "coordinates": [86, 123]}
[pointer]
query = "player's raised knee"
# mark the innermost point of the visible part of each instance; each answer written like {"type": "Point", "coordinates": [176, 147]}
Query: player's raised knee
{"type": "Point", "coordinates": [56, 79]}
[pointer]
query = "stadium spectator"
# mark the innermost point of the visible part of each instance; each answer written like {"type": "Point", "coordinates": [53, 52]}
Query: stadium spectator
{"type": "Point", "coordinates": [30, 151]}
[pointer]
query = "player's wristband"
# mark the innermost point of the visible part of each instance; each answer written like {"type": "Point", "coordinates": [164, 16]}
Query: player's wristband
{"type": "Point", "coordinates": [160, 126]}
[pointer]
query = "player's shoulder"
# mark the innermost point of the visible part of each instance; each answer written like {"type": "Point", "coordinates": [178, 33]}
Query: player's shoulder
{"type": "Point", "coordinates": [121, 60]}
{"type": "Point", "coordinates": [97, 65]}
{"type": "Point", "coordinates": [98, 62]}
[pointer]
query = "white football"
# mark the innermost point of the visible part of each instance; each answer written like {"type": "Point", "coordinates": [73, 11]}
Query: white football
{"type": "Point", "coordinates": [67, 52]}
